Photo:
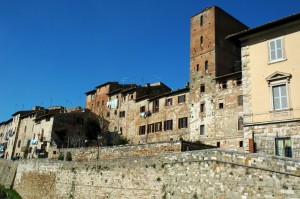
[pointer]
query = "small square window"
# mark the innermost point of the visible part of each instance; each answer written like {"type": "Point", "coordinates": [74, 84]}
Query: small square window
{"type": "Point", "coordinates": [181, 99]}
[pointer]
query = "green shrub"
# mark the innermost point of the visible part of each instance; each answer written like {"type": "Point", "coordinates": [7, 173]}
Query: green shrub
{"type": "Point", "coordinates": [61, 156]}
{"type": "Point", "coordinates": [69, 156]}
{"type": "Point", "coordinates": [9, 193]}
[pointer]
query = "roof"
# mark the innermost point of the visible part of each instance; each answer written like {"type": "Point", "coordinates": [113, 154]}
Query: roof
{"type": "Point", "coordinates": [266, 26]}
{"type": "Point", "coordinates": [183, 90]}
{"type": "Point", "coordinates": [90, 92]}
{"type": "Point", "coordinates": [107, 83]}
{"type": "Point", "coordinates": [22, 112]}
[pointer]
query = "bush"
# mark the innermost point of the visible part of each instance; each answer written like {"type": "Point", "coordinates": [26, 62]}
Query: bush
{"type": "Point", "coordinates": [69, 156]}
{"type": "Point", "coordinates": [9, 193]}
{"type": "Point", "coordinates": [61, 156]}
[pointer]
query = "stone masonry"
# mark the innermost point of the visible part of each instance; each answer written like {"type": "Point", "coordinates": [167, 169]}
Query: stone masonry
{"type": "Point", "coordinates": [196, 174]}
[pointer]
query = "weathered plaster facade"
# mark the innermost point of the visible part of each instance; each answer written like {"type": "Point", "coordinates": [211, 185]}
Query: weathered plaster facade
{"type": "Point", "coordinates": [271, 87]}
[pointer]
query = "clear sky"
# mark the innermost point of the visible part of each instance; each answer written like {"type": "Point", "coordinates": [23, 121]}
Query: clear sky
{"type": "Point", "coordinates": [53, 51]}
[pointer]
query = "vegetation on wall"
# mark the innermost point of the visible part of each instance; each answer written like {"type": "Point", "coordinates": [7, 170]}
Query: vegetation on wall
{"type": "Point", "coordinates": [9, 193]}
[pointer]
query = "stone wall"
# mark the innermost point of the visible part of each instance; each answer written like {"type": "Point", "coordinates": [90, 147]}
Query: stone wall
{"type": "Point", "coordinates": [196, 174]}
{"type": "Point", "coordinates": [90, 153]}
{"type": "Point", "coordinates": [8, 170]}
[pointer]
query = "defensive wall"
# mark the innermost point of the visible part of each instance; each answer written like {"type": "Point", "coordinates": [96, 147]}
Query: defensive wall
{"type": "Point", "coordinates": [122, 151]}
{"type": "Point", "coordinates": [208, 173]}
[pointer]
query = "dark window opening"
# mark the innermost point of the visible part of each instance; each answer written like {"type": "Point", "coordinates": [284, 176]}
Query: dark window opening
{"type": "Point", "coordinates": [202, 107]}
{"type": "Point", "coordinates": [206, 66]}
{"type": "Point", "coordinates": [158, 126]}
{"type": "Point", "coordinates": [221, 105]}
{"type": "Point", "coordinates": [142, 130]}
{"type": "Point", "coordinates": [240, 100]}
{"type": "Point", "coordinates": [182, 122]}
{"type": "Point", "coordinates": [201, 20]}
{"type": "Point", "coordinates": [168, 125]}
{"type": "Point", "coordinates": [181, 98]}
{"type": "Point", "coordinates": [241, 144]}
{"type": "Point", "coordinates": [239, 81]}
{"type": "Point", "coordinates": [155, 107]}
{"type": "Point", "coordinates": [202, 130]}
{"type": "Point", "coordinates": [218, 144]}
{"type": "Point", "coordinates": [202, 88]}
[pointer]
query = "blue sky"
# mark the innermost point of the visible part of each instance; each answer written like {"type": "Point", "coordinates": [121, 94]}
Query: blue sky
{"type": "Point", "coordinates": [52, 52]}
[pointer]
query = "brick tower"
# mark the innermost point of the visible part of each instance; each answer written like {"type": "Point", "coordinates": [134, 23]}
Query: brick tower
{"type": "Point", "coordinates": [211, 58]}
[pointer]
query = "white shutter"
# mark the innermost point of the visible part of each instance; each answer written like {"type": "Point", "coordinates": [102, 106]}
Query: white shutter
{"type": "Point", "coordinates": [279, 49]}
{"type": "Point", "coordinates": [272, 50]}
{"type": "Point", "coordinates": [276, 98]}
{"type": "Point", "coordinates": [283, 100]}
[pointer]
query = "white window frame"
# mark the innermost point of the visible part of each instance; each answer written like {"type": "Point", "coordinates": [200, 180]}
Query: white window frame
{"type": "Point", "coordinates": [277, 79]}
{"type": "Point", "coordinates": [280, 97]}
{"type": "Point", "coordinates": [276, 49]}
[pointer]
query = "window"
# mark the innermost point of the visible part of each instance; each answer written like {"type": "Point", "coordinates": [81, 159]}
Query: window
{"type": "Point", "coordinates": [197, 67]}
{"type": "Point", "coordinates": [240, 124]}
{"type": "Point", "coordinates": [202, 107]}
{"type": "Point", "coordinates": [182, 122]}
{"type": "Point", "coordinates": [221, 105]}
{"type": "Point", "coordinates": [25, 129]}
{"type": "Point", "coordinates": [168, 125]}
{"type": "Point", "coordinates": [102, 102]}
{"type": "Point", "coordinates": [116, 112]}
{"type": "Point", "coordinates": [202, 88]}
{"type": "Point", "coordinates": [201, 41]}
{"type": "Point", "coordinates": [202, 130]}
{"type": "Point", "coordinates": [276, 52]}
{"type": "Point", "coordinates": [158, 126]}
{"type": "Point", "coordinates": [283, 147]}
{"type": "Point", "coordinates": [169, 102]}
{"type": "Point", "coordinates": [240, 100]}
{"type": "Point", "coordinates": [107, 114]}
{"type": "Point", "coordinates": [150, 128]}
{"type": "Point", "coordinates": [279, 97]}
{"type": "Point", "coordinates": [201, 20]}
{"type": "Point", "coordinates": [239, 81]}
{"type": "Point", "coordinates": [218, 144]}
{"type": "Point", "coordinates": [142, 109]}
{"type": "Point", "coordinates": [155, 107]}
{"type": "Point", "coordinates": [224, 85]}
{"type": "Point", "coordinates": [181, 99]}
{"type": "Point", "coordinates": [206, 66]}
{"type": "Point", "coordinates": [121, 130]}
{"type": "Point", "coordinates": [142, 130]}
{"type": "Point", "coordinates": [19, 143]}
{"type": "Point", "coordinates": [122, 114]}
{"type": "Point", "coordinates": [279, 90]}
{"type": "Point", "coordinates": [241, 144]}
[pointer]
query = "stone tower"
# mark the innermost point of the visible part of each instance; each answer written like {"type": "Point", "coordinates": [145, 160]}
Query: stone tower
{"type": "Point", "coordinates": [212, 57]}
